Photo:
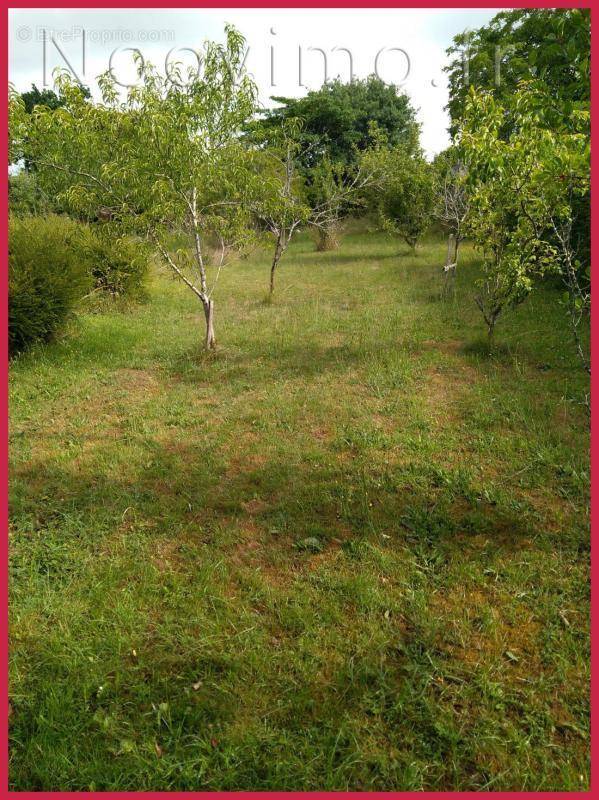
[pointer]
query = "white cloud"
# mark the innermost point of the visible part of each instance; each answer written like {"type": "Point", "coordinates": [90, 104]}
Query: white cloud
{"type": "Point", "coordinates": [277, 34]}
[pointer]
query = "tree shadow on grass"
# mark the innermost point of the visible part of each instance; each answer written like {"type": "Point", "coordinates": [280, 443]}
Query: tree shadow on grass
{"type": "Point", "coordinates": [183, 484]}
{"type": "Point", "coordinates": [230, 523]}
{"type": "Point", "coordinates": [305, 359]}
{"type": "Point", "coordinates": [331, 257]}
{"type": "Point", "coordinates": [481, 348]}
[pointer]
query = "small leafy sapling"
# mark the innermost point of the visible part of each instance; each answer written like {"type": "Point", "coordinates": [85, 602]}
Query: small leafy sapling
{"type": "Point", "coordinates": [515, 193]}
{"type": "Point", "coordinates": [292, 198]}
{"type": "Point", "coordinates": [405, 197]}
{"type": "Point", "coordinates": [577, 282]}
{"type": "Point", "coordinates": [281, 208]}
{"type": "Point", "coordinates": [335, 189]}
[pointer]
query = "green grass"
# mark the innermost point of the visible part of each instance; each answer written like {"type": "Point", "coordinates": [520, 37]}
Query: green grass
{"type": "Point", "coordinates": [171, 626]}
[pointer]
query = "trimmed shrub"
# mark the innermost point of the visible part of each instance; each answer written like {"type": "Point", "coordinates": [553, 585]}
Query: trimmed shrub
{"type": "Point", "coordinates": [46, 278]}
{"type": "Point", "coordinates": [118, 266]}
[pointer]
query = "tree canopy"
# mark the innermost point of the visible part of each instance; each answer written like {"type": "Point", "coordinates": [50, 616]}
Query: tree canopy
{"type": "Point", "coordinates": [338, 118]}
{"type": "Point", "coordinates": [46, 97]}
{"type": "Point", "coordinates": [548, 45]}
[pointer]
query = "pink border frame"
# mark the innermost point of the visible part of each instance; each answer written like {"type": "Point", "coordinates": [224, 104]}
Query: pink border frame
{"type": "Point", "coordinates": [4, 395]}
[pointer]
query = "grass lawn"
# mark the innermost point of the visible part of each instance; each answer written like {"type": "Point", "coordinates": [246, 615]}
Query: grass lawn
{"type": "Point", "coordinates": [349, 550]}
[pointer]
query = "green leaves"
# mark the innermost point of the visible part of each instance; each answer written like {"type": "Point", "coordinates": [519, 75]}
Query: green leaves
{"type": "Point", "coordinates": [17, 125]}
{"type": "Point", "coordinates": [404, 196]}
{"type": "Point", "coordinates": [147, 154]}
{"type": "Point", "coordinates": [523, 183]}
{"type": "Point", "coordinates": [552, 45]}
{"type": "Point", "coordinates": [338, 120]}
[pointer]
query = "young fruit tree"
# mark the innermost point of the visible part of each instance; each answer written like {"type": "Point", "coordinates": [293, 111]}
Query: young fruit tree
{"type": "Point", "coordinates": [293, 197]}
{"type": "Point", "coordinates": [450, 204]}
{"type": "Point", "coordinates": [405, 198]}
{"type": "Point", "coordinates": [168, 157]}
{"type": "Point", "coordinates": [334, 190]}
{"type": "Point", "coordinates": [281, 209]}
{"type": "Point", "coordinates": [324, 189]}
{"type": "Point", "coordinates": [337, 128]}
{"type": "Point", "coordinates": [517, 188]}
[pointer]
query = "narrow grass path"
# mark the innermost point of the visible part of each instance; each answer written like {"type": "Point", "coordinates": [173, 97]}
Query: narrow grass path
{"type": "Point", "coordinates": [347, 551]}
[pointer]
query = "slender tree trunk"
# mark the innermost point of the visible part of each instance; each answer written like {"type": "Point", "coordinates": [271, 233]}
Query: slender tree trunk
{"type": "Point", "coordinates": [210, 340]}
{"type": "Point", "coordinates": [200, 293]}
{"type": "Point", "coordinates": [207, 302]}
{"type": "Point", "coordinates": [576, 312]}
{"type": "Point", "coordinates": [450, 266]}
{"type": "Point", "coordinates": [279, 250]}
{"type": "Point", "coordinates": [491, 333]}
{"type": "Point", "coordinates": [450, 249]}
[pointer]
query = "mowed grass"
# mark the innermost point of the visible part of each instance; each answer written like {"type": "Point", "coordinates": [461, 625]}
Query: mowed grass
{"type": "Point", "coordinates": [350, 550]}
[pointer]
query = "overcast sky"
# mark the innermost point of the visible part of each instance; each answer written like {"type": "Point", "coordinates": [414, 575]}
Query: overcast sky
{"type": "Point", "coordinates": [411, 45]}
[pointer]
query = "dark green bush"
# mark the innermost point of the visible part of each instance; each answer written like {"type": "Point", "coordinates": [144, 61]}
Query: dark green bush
{"type": "Point", "coordinates": [118, 265]}
{"type": "Point", "coordinates": [46, 277]}
{"type": "Point", "coordinates": [24, 195]}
